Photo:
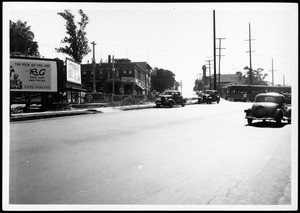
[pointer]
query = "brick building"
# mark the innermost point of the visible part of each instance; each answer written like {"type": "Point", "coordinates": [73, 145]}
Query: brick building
{"type": "Point", "coordinates": [129, 77]}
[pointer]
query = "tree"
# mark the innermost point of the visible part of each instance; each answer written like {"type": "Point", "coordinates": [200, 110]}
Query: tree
{"type": "Point", "coordinates": [199, 85]}
{"type": "Point", "coordinates": [21, 39]}
{"type": "Point", "coordinates": [162, 79]}
{"type": "Point", "coordinates": [257, 77]}
{"type": "Point", "coordinates": [78, 43]}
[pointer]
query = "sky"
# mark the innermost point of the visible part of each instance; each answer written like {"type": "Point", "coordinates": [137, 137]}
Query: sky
{"type": "Point", "coordinates": [174, 36]}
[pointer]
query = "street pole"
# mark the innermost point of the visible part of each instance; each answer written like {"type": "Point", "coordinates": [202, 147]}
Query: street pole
{"type": "Point", "coordinates": [181, 86]}
{"type": "Point", "coordinates": [209, 73]}
{"type": "Point", "coordinates": [214, 32]}
{"type": "Point", "coordinates": [272, 73]}
{"type": "Point", "coordinates": [250, 69]}
{"type": "Point", "coordinates": [113, 77]}
{"type": "Point", "coordinates": [220, 62]}
{"type": "Point", "coordinates": [94, 67]}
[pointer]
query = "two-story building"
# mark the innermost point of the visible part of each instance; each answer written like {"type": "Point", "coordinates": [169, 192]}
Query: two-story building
{"type": "Point", "coordinates": [126, 76]}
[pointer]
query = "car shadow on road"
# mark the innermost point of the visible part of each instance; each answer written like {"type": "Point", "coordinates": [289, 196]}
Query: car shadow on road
{"type": "Point", "coordinates": [267, 124]}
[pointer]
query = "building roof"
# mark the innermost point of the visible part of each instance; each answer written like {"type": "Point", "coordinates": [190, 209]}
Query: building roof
{"type": "Point", "coordinates": [229, 78]}
{"type": "Point", "coordinates": [121, 65]}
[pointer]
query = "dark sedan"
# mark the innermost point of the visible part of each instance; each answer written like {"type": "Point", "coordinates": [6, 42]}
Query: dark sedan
{"type": "Point", "coordinates": [269, 106]}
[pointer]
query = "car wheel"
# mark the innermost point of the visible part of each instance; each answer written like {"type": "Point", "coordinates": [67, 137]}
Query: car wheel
{"type": "Point", "coordinates": [289, 121]}
{"type": "Point", "coordinates": [249, 120]}
{"type": "Point", "coordinates": [183, 104]}
{"type": "Point", "coordinates": [158, 105]}
{"type": "Point", "coordinates": [171, 104]}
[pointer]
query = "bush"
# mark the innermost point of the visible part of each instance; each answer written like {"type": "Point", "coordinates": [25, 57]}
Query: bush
{"type": "Point", "coordinates": [129, 101]}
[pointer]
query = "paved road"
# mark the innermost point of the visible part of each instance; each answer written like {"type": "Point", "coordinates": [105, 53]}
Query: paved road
{"type": "Point", "coordinates": [196, 155]}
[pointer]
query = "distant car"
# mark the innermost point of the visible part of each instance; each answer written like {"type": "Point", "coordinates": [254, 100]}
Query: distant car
{"type": "Point", "coordinates": [209, 96]}
{"type": "Point", "coordinates": [170, 98]}
{"type": "Point", "coordinates": [269, 106]}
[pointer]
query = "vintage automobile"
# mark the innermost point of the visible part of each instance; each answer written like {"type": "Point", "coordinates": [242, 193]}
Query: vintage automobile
{"type": "Point", "coordinates": [170, 98]}
{"type": "Point", "coordinates": [209, 96]}
{"type": "Point", "coordinates": [269, 106]}
{"type": "Point", "coordinates": [288, 98]}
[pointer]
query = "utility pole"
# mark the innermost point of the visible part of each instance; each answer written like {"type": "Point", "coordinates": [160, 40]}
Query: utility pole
{"type": "Point", "coordinates": [283, 81]}
{"type": "Point", "coordinates": [220, 39]}
{"type": "Point", "coordinates": [272, 73]}
{"type": "Point", "coordinates": [94, 67]}
{"type": "Point", "coordinates": [209, 73]}
{"type": "Point", "coordinates": [250, 69]}
{"type": "Point", "coordinates": [113, 77]}
{"type": "Point", "coordinates": [181, 86]}
{"type": "Point", "coordinates": [214, 32]}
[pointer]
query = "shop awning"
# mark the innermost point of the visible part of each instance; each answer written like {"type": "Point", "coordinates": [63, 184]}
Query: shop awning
{"type": "Point", "coordinates": [140, 86]}
{"type": "Point", "coordinates": [76, 89]}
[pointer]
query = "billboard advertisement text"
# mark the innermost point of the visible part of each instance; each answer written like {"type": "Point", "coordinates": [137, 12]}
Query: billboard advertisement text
{"type": "Point", "coordinates": [73, 72]}
{"type": "Point", "coordinates": [29, 75]}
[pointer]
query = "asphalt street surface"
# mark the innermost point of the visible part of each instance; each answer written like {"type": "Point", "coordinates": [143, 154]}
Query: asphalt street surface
{"type": "Point", "coordinates": [203, 154]}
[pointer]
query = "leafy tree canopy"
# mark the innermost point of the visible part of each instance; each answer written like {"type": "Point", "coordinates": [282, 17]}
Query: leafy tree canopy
{"type": "Point", "coordinates": [21, 39]}
{"type": "Point", "coordinates": [162, 79]}
{"type": "Point", "coordinates": [258, 78]}
{"type": "Point", "coordinates": [77, 42]}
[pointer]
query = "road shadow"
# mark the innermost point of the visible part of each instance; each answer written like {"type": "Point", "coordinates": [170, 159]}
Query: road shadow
{"type": "Point", "coordinates": [267, 124]}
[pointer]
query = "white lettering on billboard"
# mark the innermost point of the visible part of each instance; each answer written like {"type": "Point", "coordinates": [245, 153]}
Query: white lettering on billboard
{"type": "Point", "coordinates": [73, 72]}
{"type": "Point", "coordinates": [33, 75]}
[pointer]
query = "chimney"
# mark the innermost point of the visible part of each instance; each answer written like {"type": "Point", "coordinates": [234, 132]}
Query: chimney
{"type": "Point", "coordinates": [109, 61]}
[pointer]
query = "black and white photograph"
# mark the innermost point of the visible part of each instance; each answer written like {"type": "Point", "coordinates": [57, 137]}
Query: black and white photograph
{"type": "Point", "coordinates": [177, 106]}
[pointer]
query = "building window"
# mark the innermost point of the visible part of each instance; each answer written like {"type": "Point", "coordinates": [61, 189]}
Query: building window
{"type": "Point", "coordinates": [130, 72]}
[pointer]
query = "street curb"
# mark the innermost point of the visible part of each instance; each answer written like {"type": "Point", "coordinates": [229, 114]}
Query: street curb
{"type": "Point", "coordinates": [135, 107]}
{"type": "Point", "coordinates": [33, 116]}
{"type": "Point", "coordinates": [41, 115]}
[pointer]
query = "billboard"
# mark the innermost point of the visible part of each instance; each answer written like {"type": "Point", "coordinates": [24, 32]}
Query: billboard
{"type": "Point", "coordinates": [33, 75]}
{"type": "Point", "coordinates": [73, 71]}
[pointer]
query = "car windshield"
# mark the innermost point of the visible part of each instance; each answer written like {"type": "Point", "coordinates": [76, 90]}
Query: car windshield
{"type": "Point", "coordinates": [268, 98]}
{"type": "Point", "coordinates": [168, 93]}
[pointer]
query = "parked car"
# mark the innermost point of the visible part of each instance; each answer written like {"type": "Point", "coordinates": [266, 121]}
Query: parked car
{"type": "Point", "coordinates": [209, 96]}
{"type": "Point", "coordinates": [170, 98]}
{"type": "Point", "coordinates": [288, 98]}
{"type": "Point", "coordinates": [269, 106]}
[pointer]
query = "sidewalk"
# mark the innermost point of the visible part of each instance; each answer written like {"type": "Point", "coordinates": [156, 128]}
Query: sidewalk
{"type": "Point", "coordinates": [91, 109]}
